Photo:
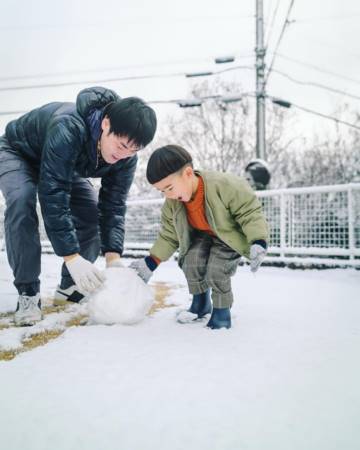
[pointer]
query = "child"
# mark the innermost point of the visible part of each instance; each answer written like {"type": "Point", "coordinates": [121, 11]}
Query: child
{"type": "Point", "coordinates": [213, 218]}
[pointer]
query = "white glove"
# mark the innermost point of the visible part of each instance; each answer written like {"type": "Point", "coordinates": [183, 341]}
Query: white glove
{"type": "Point", "coordinates": [85, 275]}
{"type": "Point", "coordinates": [115, 263]}
{"type": "Point", "coordinates": [141, 269]}
{"type": "Point", "coordinates": [257, 255]}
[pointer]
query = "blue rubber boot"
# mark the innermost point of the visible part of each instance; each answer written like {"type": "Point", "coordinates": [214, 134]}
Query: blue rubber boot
{"type": "Point", "coordinates": [201, 304]}
{"type": "Point", "coordinates": [220, 318]}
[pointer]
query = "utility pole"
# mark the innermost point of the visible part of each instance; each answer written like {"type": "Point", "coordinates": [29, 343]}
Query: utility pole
{"type": "Point", "coordinates": [260, 82]}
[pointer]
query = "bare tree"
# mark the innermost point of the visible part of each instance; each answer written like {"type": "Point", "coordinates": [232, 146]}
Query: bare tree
{"type": "Point", "coordinates": [215, 133]}
{"type": "Point", "coordinates": [221, 136]}
{"type": "Point", "coordinates": [334, 159]}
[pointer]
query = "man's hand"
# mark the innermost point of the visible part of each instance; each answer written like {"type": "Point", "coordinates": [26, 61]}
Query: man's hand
{"type": "Point", "coordinates": [113, 260]}
{"type": "Point", "coordinates": [257, 255]}
{"type": "Point", "coordinates": [85, 275]}
{"type": "Point", "coordinates": [115, 263]}
{"type": "Point", "coordinates": [142, 269]}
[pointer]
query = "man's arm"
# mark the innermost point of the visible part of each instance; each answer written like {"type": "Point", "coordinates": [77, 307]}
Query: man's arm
{"type": "Point", "coordinates": [60, 152]}
{"type": "Point", "coordinates": [59, 155]}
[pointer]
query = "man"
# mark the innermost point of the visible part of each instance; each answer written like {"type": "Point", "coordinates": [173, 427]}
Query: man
{"type": "Point", "coordinates": [51, 151]}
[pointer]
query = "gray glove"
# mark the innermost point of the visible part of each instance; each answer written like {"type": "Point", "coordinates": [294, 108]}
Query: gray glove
{"type": "Point", "coordinates": [257, 255]}
{"type": "Point", "coordinates": [141, 269]}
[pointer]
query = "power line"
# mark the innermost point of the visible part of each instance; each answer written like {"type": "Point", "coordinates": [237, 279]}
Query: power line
{"type": "Point", "coordinates": [272, 24]}
{"type": "Point", "coordinates": [178, 74]}
{"type": "Point", "coordinates": [229, 99]}
{"type": "Point", "coordinates": [330, 18]}
{"type": "Point", "coordinates": [318, 85]}
{"type": "Point", "coordinates": [225, 98]}
{"type": "Point", "coordinates": [130, 21]}
{"type": "Point", "coordinates": [113, 69]}
{"type": "Point", "coordinates": [319, 69]}
{"type": "Point", "coordinates": [165, 63]}
{"type": "Point", "coordinates": [287, 104]}
{"type": "Point", "coordinates": [111, 80]}
{"type": "Point", "coordinates": [82, 82]}
{"type": "Point", "coordinates": [294, 80]}
{"type": "Point", "coordinates": [268, 12]}
{"type": "Point", "coordinates": [335, 119]}
{"type": "Point", "coordinates": [286, 23]}
{"type": "Point", "coordinates": [196, 101]}
{"type": "Point", "coordinates": [312, 39]}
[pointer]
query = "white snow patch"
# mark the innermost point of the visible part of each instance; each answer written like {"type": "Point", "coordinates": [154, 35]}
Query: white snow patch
{"type": "Point", "coordinates": [286, 376]}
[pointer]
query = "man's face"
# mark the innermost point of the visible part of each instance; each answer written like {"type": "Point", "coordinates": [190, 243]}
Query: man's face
{"type": "Point", "coordinates": [177, 186]}
{"type": "Point", "coordinates": [113, 147]}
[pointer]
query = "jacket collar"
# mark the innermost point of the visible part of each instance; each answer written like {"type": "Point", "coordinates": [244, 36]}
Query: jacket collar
{"type": "Point", "coordinates": [93, 122]}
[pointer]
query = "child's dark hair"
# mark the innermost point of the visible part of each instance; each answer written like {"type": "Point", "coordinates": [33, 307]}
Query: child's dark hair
{"type": "Point", "coordinates": [133, 118]}
{"type": "Point", "coordinates": [165, 161]}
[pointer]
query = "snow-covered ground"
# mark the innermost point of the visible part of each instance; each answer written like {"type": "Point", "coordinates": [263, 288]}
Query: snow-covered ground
{"type": "Point", "coordinates": [285, 377]}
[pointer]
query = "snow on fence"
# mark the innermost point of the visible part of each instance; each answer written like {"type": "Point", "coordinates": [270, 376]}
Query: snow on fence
{"type": "Point", "coordinates": [312, 225]}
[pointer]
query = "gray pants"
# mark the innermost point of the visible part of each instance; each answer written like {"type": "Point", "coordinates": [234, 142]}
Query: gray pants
{"type": "Point", "coordinates": [18, 183]}
{"type": "Point", "coordinates": [210, 263]}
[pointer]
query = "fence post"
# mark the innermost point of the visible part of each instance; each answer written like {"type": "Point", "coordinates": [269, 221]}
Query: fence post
{"type": "Point", "coordinates": [351, 223]}
{"type": "Point", "coordinates": [282, 224]}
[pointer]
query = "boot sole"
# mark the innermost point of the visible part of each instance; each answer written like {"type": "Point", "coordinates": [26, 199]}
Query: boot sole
{"type": "Point", "coordinates": [27, 322]}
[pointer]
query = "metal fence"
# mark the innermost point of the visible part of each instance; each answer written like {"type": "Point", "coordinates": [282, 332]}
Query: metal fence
{"type": "Point", "coordinates": [313, 225]}
{"type": "Point", "coordinates": [319, 225]}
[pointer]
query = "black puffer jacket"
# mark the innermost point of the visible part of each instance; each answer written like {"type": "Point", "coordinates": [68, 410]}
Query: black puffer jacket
{"type": "Point", "coordinates": [59, 141]}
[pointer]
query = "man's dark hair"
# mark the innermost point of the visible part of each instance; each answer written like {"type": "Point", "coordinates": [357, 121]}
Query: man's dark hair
{"type": "Point", "coordinates": [133, 118]}
{"type": "Point", "coordinates": [165, 161]}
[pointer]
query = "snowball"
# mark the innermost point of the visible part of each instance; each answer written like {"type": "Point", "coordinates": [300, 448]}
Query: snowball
{"type": "Point", "coordinates": [124, 298]}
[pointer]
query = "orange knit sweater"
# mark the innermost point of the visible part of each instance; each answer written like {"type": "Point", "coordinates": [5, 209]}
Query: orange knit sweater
{"type": "Point", "coordinates": [195, 210]}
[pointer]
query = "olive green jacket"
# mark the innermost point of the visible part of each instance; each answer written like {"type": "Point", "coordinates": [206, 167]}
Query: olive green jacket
{"type": "Point", "coordinates": [232, 210]}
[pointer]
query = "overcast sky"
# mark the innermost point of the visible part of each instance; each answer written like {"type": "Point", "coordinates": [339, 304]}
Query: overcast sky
{"type": "Point", "coordinates": [91, 41]}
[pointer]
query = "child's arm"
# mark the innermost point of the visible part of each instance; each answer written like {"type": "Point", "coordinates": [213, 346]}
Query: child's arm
{"type": "Point", "coordinates": [167, 241]}
{"type": "Point", "coordinates": [247, 211]}
{"type": "Point", "coordinates": [165, 245]}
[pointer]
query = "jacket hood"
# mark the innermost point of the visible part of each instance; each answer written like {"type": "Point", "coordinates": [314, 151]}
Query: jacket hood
{"type": "Point", "coordinates": [94, 98]}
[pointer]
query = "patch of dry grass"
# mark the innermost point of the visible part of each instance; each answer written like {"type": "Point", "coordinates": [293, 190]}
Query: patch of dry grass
{"type": "Point", "coordinates": [30, 343]}
{"type": "Point", "coordinates": [5, 318]}
{"type": "Point", "coordinates": [161, 292]}
{"type": "Point", "coordinates": [39, 339]}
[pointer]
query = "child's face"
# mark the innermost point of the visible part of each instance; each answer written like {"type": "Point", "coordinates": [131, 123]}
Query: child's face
{"type": "Point", "coordinates": [178, 186]}
{"type": "Point", "coordinates": [113, 147]}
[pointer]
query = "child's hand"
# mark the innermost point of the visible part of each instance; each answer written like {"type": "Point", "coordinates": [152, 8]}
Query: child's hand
{"type": "Point", "coordinates": [257, 255]}
{"type": "Point", "coordinates": [142, 269]}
